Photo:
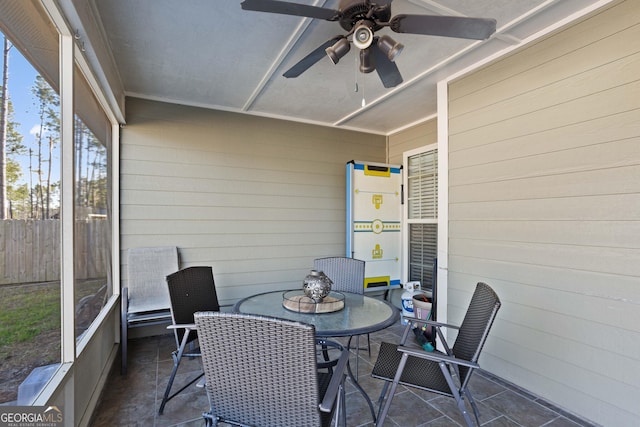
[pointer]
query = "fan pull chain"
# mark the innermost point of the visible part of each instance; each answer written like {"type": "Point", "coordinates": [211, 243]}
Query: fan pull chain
{"type": "Point", "coordinates": [355, 89]}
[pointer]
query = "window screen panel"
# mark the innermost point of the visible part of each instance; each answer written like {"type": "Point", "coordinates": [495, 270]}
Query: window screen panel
{"type": "Point", "coordinates": [422, 183]}
{"type": "Point", "coordinates": [422, 215]}
{"type": "Point", "coordinates": [423, 244]}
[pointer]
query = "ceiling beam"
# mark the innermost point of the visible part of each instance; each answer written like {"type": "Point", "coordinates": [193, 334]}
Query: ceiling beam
{"type": "Point", "coordinates": [279, 59]}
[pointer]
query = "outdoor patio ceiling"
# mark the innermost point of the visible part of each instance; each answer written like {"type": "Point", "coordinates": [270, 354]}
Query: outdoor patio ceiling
{"type": "Point", "coordinates": [214, 54]}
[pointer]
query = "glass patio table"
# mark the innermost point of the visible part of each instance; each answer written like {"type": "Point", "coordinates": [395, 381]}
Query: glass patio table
{"type": "Point", "coordinates": [361, 315]}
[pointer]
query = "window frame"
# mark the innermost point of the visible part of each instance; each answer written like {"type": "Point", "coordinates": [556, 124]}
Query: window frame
{"type": "Point", "coordinates": [405, 207]}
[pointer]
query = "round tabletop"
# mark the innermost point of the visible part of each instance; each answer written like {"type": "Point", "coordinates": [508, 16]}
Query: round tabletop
{"type": "Point", "coordinates": [361, 314]}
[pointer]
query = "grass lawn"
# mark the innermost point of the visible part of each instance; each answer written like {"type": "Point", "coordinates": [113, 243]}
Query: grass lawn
{"type": "Point", "coordinates": [30, 330]}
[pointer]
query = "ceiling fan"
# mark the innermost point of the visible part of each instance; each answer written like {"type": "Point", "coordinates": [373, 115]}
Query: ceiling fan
{"type": "Point", "coordinates": [361, 19]}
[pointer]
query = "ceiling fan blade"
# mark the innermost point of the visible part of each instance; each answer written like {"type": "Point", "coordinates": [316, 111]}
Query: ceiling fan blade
{"type": "Point", "coordinates": [447, 26]}
{"type": "Point", "coordinates": [305, 63]}
{"type": "Point", "coordinates": [288, 8]}
{"type": "Point", "coordinates": [387, 70]}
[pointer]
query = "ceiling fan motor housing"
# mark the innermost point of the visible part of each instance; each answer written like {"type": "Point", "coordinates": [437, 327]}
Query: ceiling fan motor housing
{"type": "Point", "coordinates": [354, 11]}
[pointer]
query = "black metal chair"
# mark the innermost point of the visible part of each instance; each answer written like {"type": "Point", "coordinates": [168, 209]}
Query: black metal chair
{"type": "Point", "coordinates": [262, 371]}
{"type": "Point", "coordinates": [190, 290]}
{"type": "Point", "coordinates": [347, 274]}
{"type": "Point", "coordinates": [435, 371]}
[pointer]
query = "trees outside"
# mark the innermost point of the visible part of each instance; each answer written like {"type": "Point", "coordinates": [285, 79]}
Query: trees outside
{"type": "Point", "coordinates": [4, 125]}
{"type": "Point", "coordinates": [29, 187]}
{"type": "Point", "coordinates": [47, 137]}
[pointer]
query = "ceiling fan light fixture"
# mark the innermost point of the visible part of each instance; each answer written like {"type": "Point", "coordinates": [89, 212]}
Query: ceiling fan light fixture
{"type": "Point", "coordinates": [363, 35]}
{"type": "Point", "coordinates": [390, 47]}
{"type": "Point", "coordinates": [367, 64]}
{"type": "Point", "coordinates": [338, 50]}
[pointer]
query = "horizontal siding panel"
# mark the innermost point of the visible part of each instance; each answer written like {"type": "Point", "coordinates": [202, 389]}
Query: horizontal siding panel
{"type": "Point", "coordinates": [146, 227]}
{"type": "Point", "coordinates": [249, 170]}
{"type": "Point", "coordinates": [587, 208]}
{"type": "Point", "coordinates": [618, 100]}
{"type": "Point", "coordinates": [603, 234]}
{"type": "Point", "coordinates": [609, 128]}
{"type": "Point", "coordinates": [621, 261]}
{"type": "Point", "coordinates": [322, 189]}
{"type": "Point", "coordinates": [604, 286]}
{"type": "Point", "coordinates": [582, 183]}
{"type": "Point", "coordinates": [594, 68]}
{"type": "Point", "coordinates": [236, 241]}
{"type": "Point", "coordinates": [548, 49]}
{"type": "Point", "coordinates": [195, 199]}
{"type": "Point", "coordinates": [566, 315]}
{"type": "Point", "coordinates": [415, 137]}
{"type": "Point", "coordinates": [207, 151]}
{"type": "Point", "coordinates": [248, 213]}
{"type": "Point", "coordinates": [615, 154]}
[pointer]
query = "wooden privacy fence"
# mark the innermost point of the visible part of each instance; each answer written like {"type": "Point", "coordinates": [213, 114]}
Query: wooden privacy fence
{"type": "Point", "coordinates": [30, 250]}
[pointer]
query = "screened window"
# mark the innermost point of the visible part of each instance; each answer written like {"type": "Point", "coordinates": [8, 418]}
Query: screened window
{"type": "Point", "coordinates": [37, 196]}
{"type": "Point", "coordinates": [30, 286]}
{"type": "Point", "coordinates": [92, 260]}
{"type": "Point", "coordinates": [422, 215]}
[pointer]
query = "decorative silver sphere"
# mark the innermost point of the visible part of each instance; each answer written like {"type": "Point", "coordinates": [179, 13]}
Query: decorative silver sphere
{"type": "Point", "coordinates": [316, 285]}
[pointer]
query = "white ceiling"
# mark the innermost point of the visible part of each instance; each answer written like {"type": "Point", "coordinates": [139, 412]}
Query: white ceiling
{"type": "Point", "coordinates": [213, 54]}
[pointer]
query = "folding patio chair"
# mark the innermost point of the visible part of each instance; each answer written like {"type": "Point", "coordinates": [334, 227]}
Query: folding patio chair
{"type": "Point", "coordinates": [145, 300]}
{"type": "Point", "coordinates": [190, 290]}
{"type": "Point", "coordinates": [435, 371]}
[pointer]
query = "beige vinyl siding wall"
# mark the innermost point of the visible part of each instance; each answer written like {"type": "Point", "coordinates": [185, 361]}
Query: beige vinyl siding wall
{"type": "Point", "coordinates": [544, 202]}
{"type": "Point", "coordinates": [256, 198]}
{"type": "Point", "coordinates": [414, 137]}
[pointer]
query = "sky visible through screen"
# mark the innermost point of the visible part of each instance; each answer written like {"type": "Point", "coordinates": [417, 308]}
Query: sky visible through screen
{"type": "Point", "coordinates": [22, 78]}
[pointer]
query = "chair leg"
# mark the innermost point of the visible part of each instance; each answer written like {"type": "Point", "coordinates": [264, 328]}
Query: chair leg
{"type": "Point", "coordinates": [209, 419]}
{"type": "Point", "coordinates": [392, 392]}
{"type": "Point", "coordinates": [123, 356]}
{"type": "Point", "coordinates": [454, 390]}
{"type": "Point", "coordinates": [177, 356]}
{"type": "Point", "coordinates": [123, 349]}
{"type": "Point", "coordinates": [357, 355]}
{"type": "Point", "coordinates": [383, 393]}
{"type": "Point", "coordinates": [463, 409]}
{"type": "Point", "coordinates": [476, 411]}
{"type": "Point", "coordinates": [165, 398]}
{"type": "Point", "coordinates": [342, 400]}
{"type": "Point", "coordinates": [124, 307]}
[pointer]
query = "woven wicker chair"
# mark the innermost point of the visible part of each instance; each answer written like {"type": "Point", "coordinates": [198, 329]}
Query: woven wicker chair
{"type": "Point", "coordinates": [262, 371]}
{"type": "Point", "coordinates": [347, 275]}
{"type": "Point", "coordinates": [435, 371]}
{"type": "Point", "coordinates": [190, 290]}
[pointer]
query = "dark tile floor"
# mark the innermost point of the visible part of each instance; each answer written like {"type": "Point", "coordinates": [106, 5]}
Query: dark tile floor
{"type": "Point", "coordinates": [134, 399]}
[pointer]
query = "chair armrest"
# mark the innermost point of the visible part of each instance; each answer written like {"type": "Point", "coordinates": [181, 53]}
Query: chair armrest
{"type": "Point", "coordinates": [336, 380]}
{"type": "Point", "coordinates": [431, 323]}
{"type": "Point", "coordinates": [190, 326]}
{"type": "Point", "coordinates": [437, 357]}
